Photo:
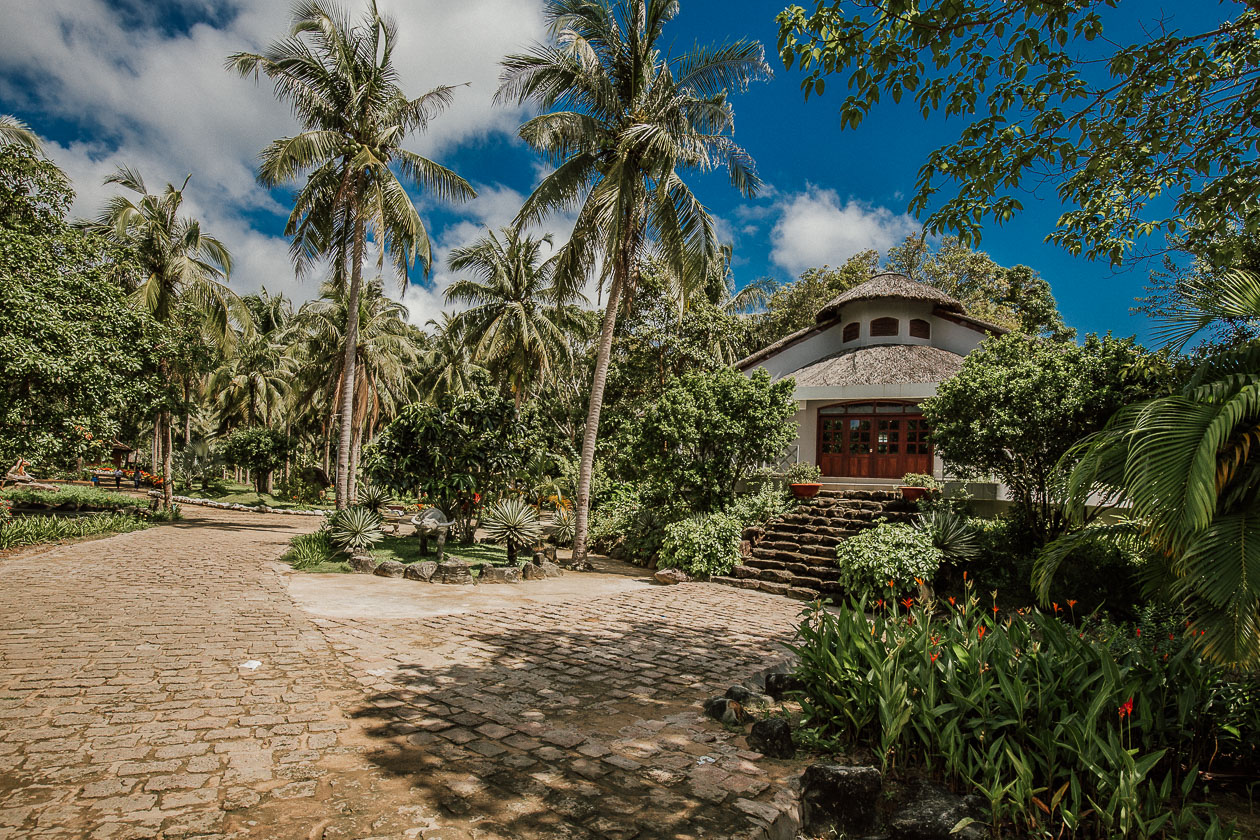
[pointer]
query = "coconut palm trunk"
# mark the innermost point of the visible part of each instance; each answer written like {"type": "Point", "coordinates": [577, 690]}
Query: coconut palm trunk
{"type": "Point", "coordinates": [586, 465]}
{"type": "Point", "coordinates": [168, 461]}
{"type": "Point", "coordinates": [346, 441]}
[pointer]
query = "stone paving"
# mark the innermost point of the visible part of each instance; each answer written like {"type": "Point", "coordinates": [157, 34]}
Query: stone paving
{"type": "Point", "coordinates": [125, 712]}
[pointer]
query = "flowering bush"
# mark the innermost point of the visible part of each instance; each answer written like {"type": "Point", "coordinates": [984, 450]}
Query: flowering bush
{"type": "Point", "coordinates": [886, 552]}
{"type": "Point", "coordinates": [1065, 732]}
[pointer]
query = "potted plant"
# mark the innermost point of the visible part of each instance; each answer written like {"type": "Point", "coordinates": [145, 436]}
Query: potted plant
{"type": "Point", "coordinates": [915, 486]}
{"type": "Point", "coordinates": [803, 477]}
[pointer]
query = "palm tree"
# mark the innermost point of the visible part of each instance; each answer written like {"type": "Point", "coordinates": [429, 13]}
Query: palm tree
{"type": "Point", "coordinates": [448, 364]}
{"type": "Point", "coordinates": [1188, 465]}
{"type": "Point", "coordinates": [519, 320]}
{"type": "Point", "coordinates": [251, 387]}
{"type": "Point", "coordinates": [17, 133]}
{"type": "Point", "coordinates": [386, 353]}
{"type": "Point", "coordinates": [181, 264]}
{"type": "Point", "coordinates": [343, 86]}
{"type": "Point", "coordinates": [623, 119]}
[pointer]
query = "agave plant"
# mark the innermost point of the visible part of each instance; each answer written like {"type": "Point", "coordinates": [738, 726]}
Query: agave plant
{"type": "Point", "coordinates": [513, 522]}
{"type": "Point", "coordinates": [355, 529]}
{"type": "Point", "coordinates": [564, 524]}
{"type": "Point", "coordinates": [950, 532]}
{"type": "Point", "coordinates": [373, 497]}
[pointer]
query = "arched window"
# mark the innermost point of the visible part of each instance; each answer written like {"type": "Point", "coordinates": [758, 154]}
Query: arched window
{"type": "Point", "coordinates": [851, 331]}
{"type": "Point", "coordinates": [920, 328]}
{"type": "Point", "coordinates": [884, 326]}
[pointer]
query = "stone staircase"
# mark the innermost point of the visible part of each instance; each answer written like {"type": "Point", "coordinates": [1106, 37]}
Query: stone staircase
{"type": "Point", "coordinates": [794, 554]}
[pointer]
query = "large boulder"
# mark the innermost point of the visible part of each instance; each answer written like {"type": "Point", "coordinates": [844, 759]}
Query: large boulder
{"type": "Point", "coordinates": [748, 698]}
{"type": "Point", "coordinates": [926, 811]}
{"type": "Point", "coordinates": [840, 799]}
{"type": "Point", "coordinates": [772, 737]}
{"type": "Point", "coordinates": [533, 571]}
{"type": "Point", "coordinates": [390, 568]}
{"type": "Point", "coordinates": [551, 569]}
{"type": "Point", "coordinates": [363, 564]}
{"type": "Point", "coordinates": [454, 571]}
{"type": "Point", "coordinates": [670, 576]}
{"type": "Point", "coordinates": [424, 570]}
{"type": "Point", "coordinates": [500, 574]}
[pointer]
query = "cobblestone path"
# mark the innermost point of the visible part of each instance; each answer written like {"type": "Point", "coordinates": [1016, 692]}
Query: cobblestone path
{"type": "Point", "coordinates": [125, 712]}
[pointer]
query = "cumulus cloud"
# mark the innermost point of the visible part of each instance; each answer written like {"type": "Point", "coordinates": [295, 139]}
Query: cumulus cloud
{"type": "Point", "coordinates": [159, 99]}
{"type": "Point", "coordinates": [815, 228]}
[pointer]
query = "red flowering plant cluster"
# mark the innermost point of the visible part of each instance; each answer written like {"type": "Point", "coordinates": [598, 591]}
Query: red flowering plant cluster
{"type": "Point", "coordinates": [1062, 732]}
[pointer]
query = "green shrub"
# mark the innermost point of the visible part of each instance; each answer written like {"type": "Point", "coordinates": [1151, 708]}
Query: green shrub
{"type": "Point", "coordinates": [951, 533]}
{"type": "Point", "coordinates": [33, 530]}
{"type": "Point", "coordinates": [307, 551]}
{"type": "Point", "coordinates": [69, 497]}
{"type": "Point", "coordinates": [702, 546]}
{"type": "Point", "coordinates": [898, 553]}
{"type": "Point", "coordinates": [626, 524]}
{"type": "Point", "coordinates": [1063, 732]}
{"type": "Point", "coordinates": [755, 508]}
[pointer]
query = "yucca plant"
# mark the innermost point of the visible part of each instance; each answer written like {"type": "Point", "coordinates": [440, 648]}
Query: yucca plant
{"type": "Point", "coordinates": [563, 522]}
{"type": "Point", "coordinates": [950, 532]}
{"type": "Point", "coordinates": [513, 522]}
{"type": "Point", "coordinates": [355, 529]}
{"type": "Point", "coordinates": [373, 497]}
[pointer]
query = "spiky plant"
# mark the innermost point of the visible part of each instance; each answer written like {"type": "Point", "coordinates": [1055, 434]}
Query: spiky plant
{"type": "Point", "coordinates": [356, 529]}
{"type": "Point", "coordinates": [513, 522]}
{"type": "Point", "coordinates": [564, 523]}
{"type": "Point", "coordinates": [950, 532]}
{"type": "Point", "coordinates": [374, 497]}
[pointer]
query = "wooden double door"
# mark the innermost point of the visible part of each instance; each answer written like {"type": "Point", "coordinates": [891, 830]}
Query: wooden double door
{"type": "Point", "coordinates": [873, 440]}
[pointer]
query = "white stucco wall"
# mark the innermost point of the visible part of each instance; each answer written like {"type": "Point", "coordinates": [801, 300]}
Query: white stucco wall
{"type": "Point", "coordinates": [946, 335]}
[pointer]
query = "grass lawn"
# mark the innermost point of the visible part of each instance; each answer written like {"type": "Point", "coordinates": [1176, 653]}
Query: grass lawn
{"type": "Point", "coordinates": [406, 549]}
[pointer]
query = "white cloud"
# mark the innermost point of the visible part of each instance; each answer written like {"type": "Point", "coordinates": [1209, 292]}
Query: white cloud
{"type": "Point", "coordinates": [163, 102]}
{"type": "Point", "coordinates": [814, 229]}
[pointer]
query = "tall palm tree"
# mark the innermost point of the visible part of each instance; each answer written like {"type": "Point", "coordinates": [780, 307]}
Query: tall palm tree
{"type": "Point", "coordinates": [386, 353]}
{"type": "Point", "coordinates": [519, 319]}
{"type": "Point", "coordinates": [1188, 466]}
{"type": "Point", "coordinates": [448, 363]}
{"type": "Point", "coordinates": [343, 86]}
{"type": "Point", "coordinates": [181, 264]}
{"type": "Point", "coordinates": [17, 133]}
{"type": "Point", "coordinates": [251, 387]}
{"type": "Point", "coordinates": [623, 119]}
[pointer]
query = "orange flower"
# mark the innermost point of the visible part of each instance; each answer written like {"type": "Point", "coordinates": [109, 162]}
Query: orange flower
{"type": "Point", "coordinates": [892, 584]}
{"type": "Point", "coordinates": [907, 602]}
{"type": "Point", "coordinates": [919, 581]}
{"type": "Point", "coordinates": [1057, 609]}
{"type": "Point", "coordinates": [982, 631]}
{"type": "Point", "coordinates": [995, 610]}
{"type": "Point", "coordinates": [1071, 602]}
{"type": "Point", "coordinates": [936, 656]}
{"type": "Point", "coordinates": [952, 602]}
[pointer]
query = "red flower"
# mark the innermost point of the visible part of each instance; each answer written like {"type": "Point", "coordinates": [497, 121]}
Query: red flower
{"type": "Point", "coordinates": [1126, 708]}
{"type": "Point", "coordinates": [1139, 632]}
{"type": "Point", "coordinates": [907, 602]}
{"type": "Point", "coordinates": [936, 656]}
{"type": "Point", "coordinates": [880, 603]}
{"type": "Point", "coordinates": [982, 631]}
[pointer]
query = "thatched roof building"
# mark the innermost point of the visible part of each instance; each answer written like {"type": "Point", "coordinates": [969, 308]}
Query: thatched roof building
{"type": "Point", "coordinates": [861, 370]}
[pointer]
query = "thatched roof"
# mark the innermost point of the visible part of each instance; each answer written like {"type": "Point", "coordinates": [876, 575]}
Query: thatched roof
{"type": "Point", "coordinates": [890, 285]}
{"type": "Point", "coordinates": [882, 364]}
{"type": "Point", "coordinates": [782, 344]}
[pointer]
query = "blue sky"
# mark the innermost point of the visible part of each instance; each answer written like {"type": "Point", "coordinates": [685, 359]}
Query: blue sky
{"type": "Point", "coordinates": [143, 84]}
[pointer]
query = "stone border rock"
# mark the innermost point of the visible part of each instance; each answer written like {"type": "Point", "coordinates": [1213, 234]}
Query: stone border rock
{"type": "Point", "coordinates": [188, 500]}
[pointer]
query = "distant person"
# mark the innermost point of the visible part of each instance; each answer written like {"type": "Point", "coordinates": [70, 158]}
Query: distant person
{"type": "Point", "coordinates": [135, 476]}
{"type": "Point", "coordinates": [118, 479]}
{"type": "Point", "coordinates": [96, 480]}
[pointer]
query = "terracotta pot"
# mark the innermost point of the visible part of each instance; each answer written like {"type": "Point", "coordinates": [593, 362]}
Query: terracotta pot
{"type": "Point", "coordinates": [913, 494]}
{"type": "Point", "coordinates": [806, 491]}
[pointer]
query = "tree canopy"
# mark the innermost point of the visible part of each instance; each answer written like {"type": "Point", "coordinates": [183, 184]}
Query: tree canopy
{"type": "Point", "coordinates": [77, 356]}
{"type": "Point", "coordinates": [1140, 138]}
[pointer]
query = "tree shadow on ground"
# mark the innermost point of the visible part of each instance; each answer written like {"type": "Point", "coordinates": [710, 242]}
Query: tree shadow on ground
{"type": "Point", "coordinates": [546, 726]}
